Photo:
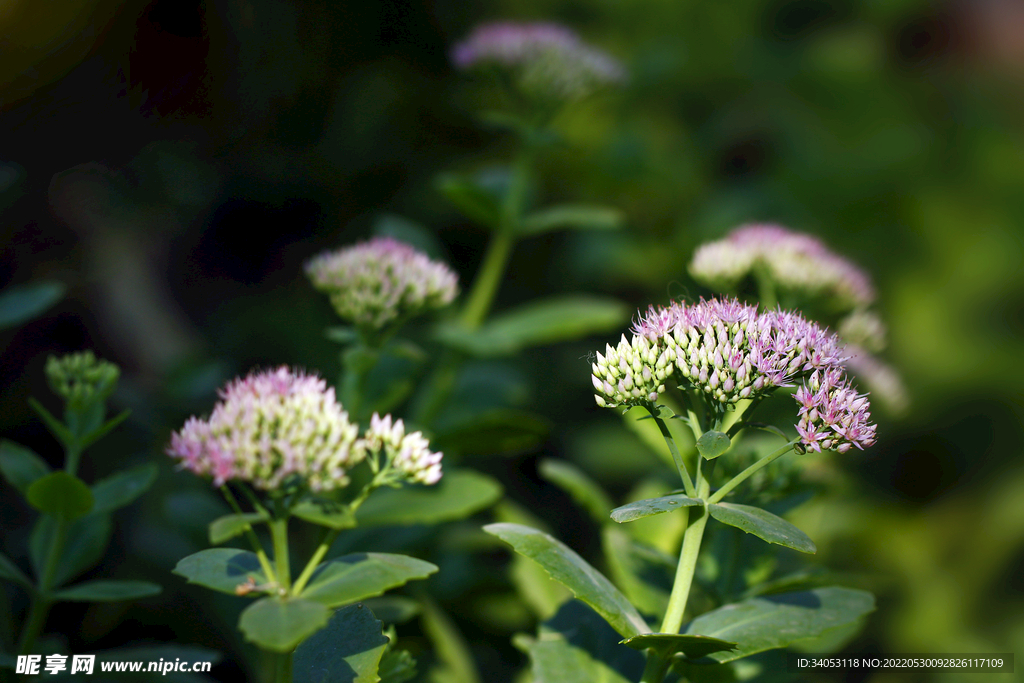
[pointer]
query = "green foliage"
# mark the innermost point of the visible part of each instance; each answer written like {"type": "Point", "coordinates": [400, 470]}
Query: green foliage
{"type": "Point", "coordinates": [279, 624]}
{"type": "Point", "coordinates": [575, 573]}
{"type": "Point", "coordinates": [670, 644]}
{"type": "Point", "coordinates": [712, 444]}
{"type": "Point", "coordinates": [20, 466]}
{"type": "Point", "coordinates": [87, 538]}
{"type": "Point", "coordinates": [495, 431]}
{"type": "Point", "coordinates": [10, 571]}
{"type": "Point", "coordinates": [577, 484]}
{"type": "Point", "coordinates": [572, 216]}
{"type": "Point", "coordinates": [21, 303]}
{"type": "Point", "coordinates": [538, 323]}
{"type": "Point", "coordinates": [122, 488]}
{"type": "Point", "coordinates": [348, 650]}
{"type": "Point", "coordinates": [323, 512]}
{"type": "Point", "coordinates": [222, 569]}
{"type": "Point", "coordinates": [644, 574]}
{"type": "Point", "coordinates": [351, 578]}
{"type": "Point", "coordinates": [61, 495]}
{"type": "Point", "coordinates": [229, 526]}
{"type": "Point", "coordinates": [459, 494]}
{"type": "Point", "coordinates": [762, 524]}
{"type": "Point", "coordinates": [652, 506]}
{"type": "Point", "coordinates": [108, 591]}
{"type": "Point", "coordinates": [765, 623]}
{"type": "Point", "coordinates": [473, 199]}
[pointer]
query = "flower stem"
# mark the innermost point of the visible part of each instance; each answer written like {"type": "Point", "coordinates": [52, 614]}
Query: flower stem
{"type": "Point", "coordinates": [656, 668]}
{"type": "Point", "coordinates": [279, 535]}
{"type": "Point", "coordinates": [283, 668]}
{"type": "Point", "coordinates": [41, 597]}
{"type": "Point", "coordinates": [676, 456]}
{"type": "Point", "coordinates": [254, 540]}
{"type": "Point", "coordinates": [314, 561]}
{"type": "Point", "coordinates": [742, 476]}
{"type": "Point", "coordinates": [687, 566]}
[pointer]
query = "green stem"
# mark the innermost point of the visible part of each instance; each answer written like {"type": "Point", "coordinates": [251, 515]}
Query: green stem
{"type": "Point", "coordinates": [314, 561]}
{"type": "Point", "coordinates": [765, 288]}
{"type": "Point", "coordinates": [41, 597]}
{"type": "Point", "coordinates": [656, 668]}
{"type": "Point", "coordinates": [687, 566]}
{"type": "Point", "coordinates": [74, 455]}
{"type": "Point", "coordinates": [279, 535]}
{"type": "Point", "coordinates": [254, 540]}
{"type": "Point", "coordinates": [676, 456]}
{"type": "Point", "coordinates": [283, 668]}
{"type": "Point", "coordinates": [742, 476]}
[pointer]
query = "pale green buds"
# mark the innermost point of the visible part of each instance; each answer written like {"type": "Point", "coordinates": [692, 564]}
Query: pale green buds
{"type": "Point", "coordinates": [80, 379]}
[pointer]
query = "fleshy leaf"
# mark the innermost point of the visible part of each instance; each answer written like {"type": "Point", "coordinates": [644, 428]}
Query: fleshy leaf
{"type": "Point", "coordinates": [455, 662]}
{"type": "Point", "coordinates": [577, 484]}
{"type": "Point", "coordinates": [87, 538]}
{"type": "Point", "coordinates": [763, 524]}
{"type": "Point", "coordinates": [10, 571]}
{"type": "Point", "coordinates": [348, 650]}
{"type": "Point", "coordinates": [108, 591]}
{"type": "Point", "coordinates": [61, 495]}
{"type": "Point", "coordinates": [573, 216]}
{"type": "Point", "coordinates": [474, 201]}
{"type": "Point", "coordinates": [538, 323]}
{"type": "Point", "coordinates": [639, 509]}
{"type": "Point", "coordinates": [459, 494]}
{"type": "Point", "coordinates": [669, 644]}
{"type": "Point", "coordinates": [576, 646]}
{"type": "Point", "coordinates": [122, 488]}
{"type": "Point", "coordinates": [279, 625]}
{"type": "Point", "coordinates": [21, 303]}
{"type": "Point", "coordinates": [575, 573]}
{"type": "Point", "coordinates": [227, 527]}
{"type": "Point", "coordinates": [645, 574]}
{"type": "Point", "coordinates": [766, 623]}
{"type": "Point", "coordinates": [713, 444]}
{"type": "Point", "coordinates": [393, 609]}
{"type": "Point", "coordinates": [20, 466]}
{"type": "Point", "coordinates": [351, 578]}
{"type": "Point", "coordinates": [222, 569]}
{"type": "Point", "coordinates": [325, 513]}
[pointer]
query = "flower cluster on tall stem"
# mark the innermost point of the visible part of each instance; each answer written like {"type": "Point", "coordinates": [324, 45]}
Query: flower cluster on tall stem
{"type": "Point", "coordinates": [731, 351]}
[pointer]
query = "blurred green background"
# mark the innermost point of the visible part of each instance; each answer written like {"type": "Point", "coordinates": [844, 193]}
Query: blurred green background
{"type": "Point", "coordinates": [175, 162]}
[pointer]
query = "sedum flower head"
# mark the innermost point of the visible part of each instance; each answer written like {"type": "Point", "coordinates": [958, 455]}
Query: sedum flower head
{"type": "Point", "coordinates": [730, 351]}
{"type": "Point", "coordinates": [408, 453]}
{"type": "Point", "coordinates": [374, 283]}
{"type": "Point", "coordinates": [794, 261]}
{"type": "Point", "coordinates": [269, 427]}
{"type": "Point", "coordinates": [832, 414]}
{"type": "Point", "coordinates": [80, 379]}
{"type": "Point", "coordinates": [546, 59]}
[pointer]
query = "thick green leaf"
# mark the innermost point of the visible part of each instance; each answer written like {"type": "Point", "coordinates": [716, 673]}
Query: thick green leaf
{"type": "Point", "coordinates": [61, 495]}
{"type": "Point", "coordinates": [476, 202]}
{"type": "Point", "coordinates": [459, 494]}
{"type": "Point", "coordinates": [492, 432]}
{"type": "Point", "coordinates": [86, 540]}
{"type": "Point", "coordinates": [762, 524]}
{"type": "Point", "coordinates": [222, 569]}
{"type": "Point", "coordinates": [669, 644]}
{"type": "Point", "coordinates": [577, 646]}
{"type": "Point", "coordinates": [347, 651]}
{"type": "Point", "coordinates": [227, 527]}
{"type": "Point", "coordinates": [351, 578]}
{"type": "Point", "coordinates": [20, 466]}
{"type": "Point", "coordinates": [713, 444]}
{"type": "Point", "coordinates": [766, 623]}
{"type": "Point", "coordinates": [21, 303]}
{"type": "Point", "coordinates": [639, 509]}
{"type": "Point", "coordinates": [644, 574]}
{"type": "Point", "coordinates": [571, 570]}
{"type": "Point", "coordinates": [573, 216]}
{"type": "Point", "coordinates": [397, 666]}
{"type": "Point", "coordinates": [279, 625]}
{"type": "Point", "coordinates": [108, 591]}
{"type": "Point", "coordinates": [325, 513]}
{"type": "Point", "coordinates": [541, 593]}
{"type": "Point", "coordinates": [538, 323]}
{"type": "Point", "coordinates": [122, 488]}
{"type": "Point", "coordinates": [10, 571]}
{"type": "Point", "coordinates": [577, 484]}
{"type": "Point", "coordinates": [393, 609]}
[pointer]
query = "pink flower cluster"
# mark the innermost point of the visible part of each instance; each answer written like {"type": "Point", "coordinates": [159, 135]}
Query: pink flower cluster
{"type": "Point", "coordinates": [794, 261]}
{"type": "Point", "coordinates": [730, 351]}
{"type": "Point", "coordinates": [280, 424]}
{"type": "Point", "coordinates": [409, 453]}
{"type": "Point", "coordinates": [546, 57]}
{"type": "Point", "coordinates": [376, 282]}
